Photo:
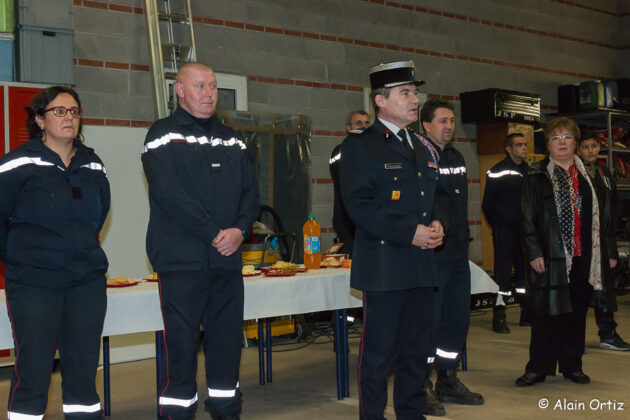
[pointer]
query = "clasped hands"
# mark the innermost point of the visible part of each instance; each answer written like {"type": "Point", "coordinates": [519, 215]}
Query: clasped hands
{"type": "Point", "coordinates": [428, 237]}
{"type": "Point", "coordinates": [227, 241]}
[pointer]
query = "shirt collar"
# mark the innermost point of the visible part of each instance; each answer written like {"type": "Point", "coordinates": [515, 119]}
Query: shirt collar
{"type": "Point", "coordinates": [391, 127]}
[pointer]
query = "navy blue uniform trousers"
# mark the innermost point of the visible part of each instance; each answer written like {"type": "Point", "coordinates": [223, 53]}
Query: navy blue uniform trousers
{"type": "Point", "coordinates": [42, 319]}
{"type": "Point", "coordinates": [211, 298]}
{"type": "Point", "coordinates": [396, 330]}
{"type": "Point", "coordinates": [507, 253]}
{"type": "Point", "coordinates": [452, 311]}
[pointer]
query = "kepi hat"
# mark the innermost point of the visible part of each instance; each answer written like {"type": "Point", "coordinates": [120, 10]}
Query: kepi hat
{"type": "Point", "coordinates": [393, 74]}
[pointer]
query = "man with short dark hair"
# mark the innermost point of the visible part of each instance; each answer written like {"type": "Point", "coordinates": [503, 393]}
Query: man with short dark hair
{"type": "Point", "coordinates": [204, 199]}
{"type": "Point", "coordinates": [452, 302]}
{"type": "Point", "coordinates": [502, 207]}
{"type": "Point", "coordinates": [388, 186]}
{"type": "Point", "coordinates": [357, 121]}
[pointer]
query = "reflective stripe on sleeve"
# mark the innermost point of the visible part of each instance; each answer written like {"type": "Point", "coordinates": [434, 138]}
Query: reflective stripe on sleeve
{"type": "Point", "coordinates": [16, 163]}
{"type": "Point", "coordinates": [178, 401]}
{"type": "Point", "coordinates": [334, 158]}
{"type": "Point", "coordinates": [78, 408]}
{"type": "Point", "coordinates": [520, 290]}
{"type": "Point", "coordinates": [446, 354]}
{"type": "Point", "coordinates": [430, 359]}
{"type": "Point", "coordinates": [503, 173]}
{"type": "Point", "coordinates": [12, 415]}
{"type": "Point", "coordinates": [505, 293]}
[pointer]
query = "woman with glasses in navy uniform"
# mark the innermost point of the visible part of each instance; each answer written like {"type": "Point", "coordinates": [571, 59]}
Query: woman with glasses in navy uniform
{"type": "Point", "coordinates": [54, 198]}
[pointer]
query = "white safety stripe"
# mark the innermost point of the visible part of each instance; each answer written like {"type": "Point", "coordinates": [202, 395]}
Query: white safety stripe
{"type": "Point", "coordinates": [454, 171]}
{"type": "Point", "coordinates": [16, 163]}
{"type": "Point", "coordinates": [430, 359]}
{"type": "Point", "coordinates": [222, 393]}
{"type": "Point", "coordinates": [214, 142]}
{"type": "Point", "coordinates": [95, 167]}
{"type": "Point", "coordinates": [334, 158]}
{"type": "Point", "coordinates": [518, 290]}
{"type": "Point", "coordinates": [505, 293]}
{"type": "Point", "coordinates": [178, 401]}
{"type": "Point", "coordinates": [446, 354]}
{"type": "Point", "coordinates": [78, 408]}
{"type": "Point", "coordinates": [19, 416]}
{"type": "Point", "coordinates": [503, 173]}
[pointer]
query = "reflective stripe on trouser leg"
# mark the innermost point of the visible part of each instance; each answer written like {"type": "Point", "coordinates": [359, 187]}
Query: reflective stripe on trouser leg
{"type": "Point", "coordinates": [446, 354]}
{"type": "Point", "coordinates": [179, 402]}
{"type": "Point", "coordinates": [222, 393]}
{"type": "Point", "coordinates": [78, 408]}
{"type": "Point", "coordinates": [12, 415]}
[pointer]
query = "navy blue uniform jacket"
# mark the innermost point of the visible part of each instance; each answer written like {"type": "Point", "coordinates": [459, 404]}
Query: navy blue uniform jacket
{"type": "Point", "coordinates": [380, 168]}
{"type": "Point", "coordinates": [200, 180]}
{"type": "Point", "coordinates": [50, 216]}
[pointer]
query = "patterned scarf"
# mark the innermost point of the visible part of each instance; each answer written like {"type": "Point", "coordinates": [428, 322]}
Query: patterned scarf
{"type": "Point", "coordinates": [435, 154]}
{"type": "Point", "coordinates": [569, 207]}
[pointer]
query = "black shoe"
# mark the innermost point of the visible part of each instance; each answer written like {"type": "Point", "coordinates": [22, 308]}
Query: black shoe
{"type": "Point", "coordinates": [529, 380]}
{"type": "Point", "coordinates": [523, 322]}
{"type": "Point", "coordinates": [450, 389]}
{"type": "Point", "coordinates": [577, 377]}
{"type": "Point", "coordinates": [434, 406]}
{"type": "Point", "coordinates": [499, 324]}
{"type": "Point", "coordinates": [614, 342]}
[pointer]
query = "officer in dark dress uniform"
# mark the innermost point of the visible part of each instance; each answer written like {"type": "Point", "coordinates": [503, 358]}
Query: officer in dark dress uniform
{"type": "Point", "coordinates": [388, 188]}
{"type": "Point", "coordinates": [502, 206]}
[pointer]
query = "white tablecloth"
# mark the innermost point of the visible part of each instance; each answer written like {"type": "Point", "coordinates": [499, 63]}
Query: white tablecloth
{"type": "Point", "coordinates": [137, 308]}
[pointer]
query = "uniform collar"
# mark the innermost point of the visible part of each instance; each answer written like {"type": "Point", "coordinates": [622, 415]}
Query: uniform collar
{"type": "Point", "coordinates": [183, 117]}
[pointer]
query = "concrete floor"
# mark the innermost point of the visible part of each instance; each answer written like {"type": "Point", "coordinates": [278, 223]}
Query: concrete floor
{"type": "Point", "coordinates": [304, 387]}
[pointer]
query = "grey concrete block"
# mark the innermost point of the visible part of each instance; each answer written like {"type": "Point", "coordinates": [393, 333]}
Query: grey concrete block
{"type": "Point", "coordinates": [323, 213]}
{"type": "Point", "coordinates": [322, 146]}
{"type": "Point", "coordinates": [320, 167]}
{"type": "Point", "coordinates": [322, 193]}
{"type": "Point", "coordinates": [102, 80]}
{"type": "Point", "coordinates": [289, 96]}
{"type": "Point", "coordinates": [331, 99]}
{"type": "Point", "coordinates": [258, 92]}
{"type": "Point", "coordinates": [98, 21]}
{"type": "Point", "coordinates": [220, 9]}
{"type": "Point", "coordinates": [140, 83]}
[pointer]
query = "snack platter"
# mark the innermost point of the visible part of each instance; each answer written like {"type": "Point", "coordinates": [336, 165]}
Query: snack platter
{"type": "Point", "coordinates": [123, 285]}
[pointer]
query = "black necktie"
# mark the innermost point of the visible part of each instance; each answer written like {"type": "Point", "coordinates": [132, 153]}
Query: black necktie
{"type": "Point", "coordinates": [403, 135]}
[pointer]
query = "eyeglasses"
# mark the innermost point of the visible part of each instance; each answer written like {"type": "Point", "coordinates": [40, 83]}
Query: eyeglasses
{"type": "Point", "coordinates": [360, 123]}
{"type": "Point", "coordinates": [61, 111]}
{"type": "Point", "coordinates": [565, 137]}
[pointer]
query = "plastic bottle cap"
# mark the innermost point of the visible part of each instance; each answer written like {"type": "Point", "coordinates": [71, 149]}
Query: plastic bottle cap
{"type": "Point", "coordinates": [311, 217]}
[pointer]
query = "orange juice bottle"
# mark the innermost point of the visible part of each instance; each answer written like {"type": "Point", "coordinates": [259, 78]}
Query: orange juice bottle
{"type": "Point", "coordinates": [312, 254]}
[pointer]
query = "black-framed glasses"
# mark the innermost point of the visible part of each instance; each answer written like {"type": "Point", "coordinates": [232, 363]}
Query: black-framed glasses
{"type": "Point", "coordinates": [61, 111]}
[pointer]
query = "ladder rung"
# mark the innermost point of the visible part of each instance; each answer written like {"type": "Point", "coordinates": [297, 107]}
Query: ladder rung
{"type": "Point", "coordinates": [174, 17]}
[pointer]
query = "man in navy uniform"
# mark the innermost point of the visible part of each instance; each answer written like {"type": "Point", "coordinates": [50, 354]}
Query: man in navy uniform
{"type": "Point", "coordinates": [357, 121]}
{"type": "Point", "coordinates": [452, 312]}
{"type": "Point", "coordinates": [388, 187]}
{"type": "Point", "coordinates": [204, 198]}
{"type": "Point", "coordinates": [502, 207]}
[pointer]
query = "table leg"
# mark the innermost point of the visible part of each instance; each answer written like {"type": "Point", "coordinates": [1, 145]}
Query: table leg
{"type": "Point", "coordinates": [261, 353]}
{"type": "Point", "coordinates": [106, 377]}
{"type": "Point", "coordinates": [268, 344]}
{"type": "Point", "coordinates": [159, 338]}
{"type": "Point", "coordinates": [346, 380]}
{"type": "Point", "coordinates": [338, 354]}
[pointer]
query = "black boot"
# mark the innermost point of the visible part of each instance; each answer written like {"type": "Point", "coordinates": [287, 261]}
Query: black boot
{"type": "Point", "coordinates": [524, 322]}
{"type": "Point", "coordinates": [499, 324]}
{"type": "Point", "coordinates": [450, 389]}
{"type": "Point", "coordinates": [434, 406]}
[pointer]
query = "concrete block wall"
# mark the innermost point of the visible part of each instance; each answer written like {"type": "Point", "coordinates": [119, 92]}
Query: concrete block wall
{"type": "Point", "coordinates": [311, 57]}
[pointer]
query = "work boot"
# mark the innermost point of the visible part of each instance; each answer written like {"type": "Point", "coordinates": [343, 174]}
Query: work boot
{"type": "Point", "coordinates": [434, 406]}
{"type": "Point", "coordinates": [450, 389]}
{"type": "Point", "coordinates": [499, 324]}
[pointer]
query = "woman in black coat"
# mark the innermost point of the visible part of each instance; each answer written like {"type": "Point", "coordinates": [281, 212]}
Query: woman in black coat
{"type": "Point", "coordinates": [563, 230]}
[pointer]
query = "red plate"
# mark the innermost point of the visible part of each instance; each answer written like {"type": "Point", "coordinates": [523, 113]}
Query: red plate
{"type": "Point", "coordinates": [301, 270]}
{"type": "Point", "coordinates": [123, 285]}
{"type": "Point", "coordinates": [151, 280]}
{"type": "Point", "coordinates": [269, 274]}
{"type": "Point", "coordinates": [251, 275]}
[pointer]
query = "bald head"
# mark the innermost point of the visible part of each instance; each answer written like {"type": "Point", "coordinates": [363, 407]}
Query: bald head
{"type": "Point", "coordinates": [196, 88]}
